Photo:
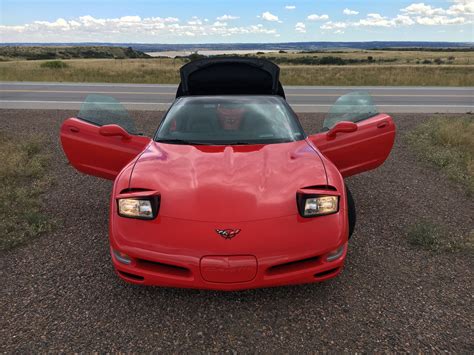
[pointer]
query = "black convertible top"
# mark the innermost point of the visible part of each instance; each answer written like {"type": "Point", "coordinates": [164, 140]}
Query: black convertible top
{"type": "Point", "coordinates": [230, 76]}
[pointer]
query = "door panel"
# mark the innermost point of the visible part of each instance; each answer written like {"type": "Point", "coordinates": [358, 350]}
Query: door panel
{"type": "Point", "coordinates": [94, 154]}
{"type": "Point", "coordinates": [359, 151]}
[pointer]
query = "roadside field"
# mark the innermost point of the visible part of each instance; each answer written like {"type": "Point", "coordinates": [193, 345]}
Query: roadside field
{"type": "Point", "coordinates": [386, 56]}
{"type": "Point", "coordinates": [24, 176]}
{"type": "Point", "coordinates": [166, 71]}
{"type": "Point", "coordinates": [448, 143]}
{"type": "Point", "coordinates": [396, 293]}
{"type": "Point", "coordinates": [378, 75]}
{"type": "Point", "coordinates": [67, 52]}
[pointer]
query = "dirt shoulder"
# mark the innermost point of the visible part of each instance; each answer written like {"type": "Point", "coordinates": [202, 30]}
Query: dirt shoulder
{"type": "Point", "coordinates": [60, 293]}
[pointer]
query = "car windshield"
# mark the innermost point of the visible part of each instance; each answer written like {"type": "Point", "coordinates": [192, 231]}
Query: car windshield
{"type": "Point", "coordinates": [229, 120]}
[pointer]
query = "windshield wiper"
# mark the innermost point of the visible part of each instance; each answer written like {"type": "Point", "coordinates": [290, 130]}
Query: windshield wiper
{"type": "Point", "coordinates": [184, 141]}
{"type": "Point", "coordinates": [181, 141]}
{"type": "Point", "coordinates": [238, 143]}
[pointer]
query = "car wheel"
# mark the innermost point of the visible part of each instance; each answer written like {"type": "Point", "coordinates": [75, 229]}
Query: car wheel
{"type": "Point", "coordinates": [351, 210]}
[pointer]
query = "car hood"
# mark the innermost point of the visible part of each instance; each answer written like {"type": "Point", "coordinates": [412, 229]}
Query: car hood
{"type": "Point", "coordinates": [228, 183]}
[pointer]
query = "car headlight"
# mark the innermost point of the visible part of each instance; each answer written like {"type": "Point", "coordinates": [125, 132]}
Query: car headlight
{"type": "Point", "coordinates": [143, 208]}
{"type": "Point", "coordinates": [311, 206]}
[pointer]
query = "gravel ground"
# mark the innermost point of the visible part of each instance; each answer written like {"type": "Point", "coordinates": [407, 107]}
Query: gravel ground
{"type": "Point", "coordinates": [60, 292]}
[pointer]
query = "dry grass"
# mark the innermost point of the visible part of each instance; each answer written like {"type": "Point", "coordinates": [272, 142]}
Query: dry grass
{"type": "Point", "coordinates": [430, 236]}
{"type": "Point", "coordinates": [163, 71]}
{"type": "Point", "coordinates": [166, 71]}
{"type": "Point", "coordinates": [398, 57]}
{"type": "Point", "coordinates": [23, 177]}
{"type": "Point", "coordinates": [391, 75]}
{"type": "Point", "coordinates": [448, 144]}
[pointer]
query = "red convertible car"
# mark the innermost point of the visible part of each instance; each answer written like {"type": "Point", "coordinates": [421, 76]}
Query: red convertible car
{"type": "Point", "coordinates": [230, 193]}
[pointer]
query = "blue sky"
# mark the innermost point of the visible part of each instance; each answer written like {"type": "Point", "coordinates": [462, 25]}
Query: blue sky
{"type": "Point", "coordinates": [205, 21]}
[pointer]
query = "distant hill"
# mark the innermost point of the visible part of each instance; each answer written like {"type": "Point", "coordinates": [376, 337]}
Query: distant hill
{"type": "Point", "coordinates": [295, 46]}
{"type": "Point", "coordinates": [20, 51]}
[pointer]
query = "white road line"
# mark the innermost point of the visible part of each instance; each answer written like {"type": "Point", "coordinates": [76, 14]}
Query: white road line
{"type": "Point", "coordinates": [386, 105]}
{"type": "Point", "coordinates": [447, 88]}
{"type": "Point", "coordinates": [19, 83]}
{"type": "Point", "coordinates": [290, 87]}
{"type": "Point", "coordinates": [151, 93]}
{"type": "Point", "coordinates": [169, 103]}
{"type": "Point", "coordinates": [80, 102]}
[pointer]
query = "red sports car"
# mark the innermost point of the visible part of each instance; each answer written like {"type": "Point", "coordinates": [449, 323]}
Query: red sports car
{"type": "Point", "coordinates": [230, 193]}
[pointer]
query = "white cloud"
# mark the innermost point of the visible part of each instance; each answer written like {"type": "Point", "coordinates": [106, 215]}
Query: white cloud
{"type": "Point", "coordinates": [461, 7]}
{"type": "Point", "coordinates": [315, 17]}
{"type": "Point", "coordinates": [414, 14]}
{"type": "Point", "coordinates": [350, 12]}
{"type": "Point", "coordinates": [462, 12]}
{"type": "Point", "coordinates": [300, 27]}
{"type": "Point", "coordinates": [195, 21]}
{"type": "Point", "coordinates": [156, 29]}
{"type": "Point", "coordinates": [127, 28]}
{"type": "Point", "coordinates": [334, 25]}
{"type": "Point", "coordinates": [375, 20]}
{"type": "Point", "coordinates": [227, 18]}
{"type": "Point", "coordinates": [267, 16]}
{"type": "Point", "coordinates": [403, 20]}
{"type": "Point", "coordinates": [60, 24]}
{"type": "Point", "coordinates": [219, 24]}
{"type": "Point", "coordinates": [422, 9]}
{"type": "Point", "coordinates": [440, 20]}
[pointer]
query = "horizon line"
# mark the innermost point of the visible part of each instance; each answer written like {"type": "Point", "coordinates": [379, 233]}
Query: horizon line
{"type": "Point", "coordinates": [199, 43]}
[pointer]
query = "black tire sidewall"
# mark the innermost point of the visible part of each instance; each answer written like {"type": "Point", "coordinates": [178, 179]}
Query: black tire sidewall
{"type": "Point", "coordinates": [351, 209]}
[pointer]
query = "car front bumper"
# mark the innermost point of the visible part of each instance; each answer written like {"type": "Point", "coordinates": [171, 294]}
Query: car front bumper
{"type": "Point", "coordinates": [190, 254]}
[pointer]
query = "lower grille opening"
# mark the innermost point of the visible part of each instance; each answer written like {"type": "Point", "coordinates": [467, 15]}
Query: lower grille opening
{"type": "Point", "coordinates": [296, 265]}
{"type": "Point", "coordinates": [326, 273]}
{"type": "Point", "coordinates": [131, 276]}
{"type": "Point", "coordinates": [163, 268]}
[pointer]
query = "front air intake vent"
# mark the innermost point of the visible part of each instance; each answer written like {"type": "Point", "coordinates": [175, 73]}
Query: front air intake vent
{"type": "Point", "coordinates": [162, 268]}
{"type": "Point", "coordinates": [292, 266]}
{"type": "Point", "coordinates": [320, 187]}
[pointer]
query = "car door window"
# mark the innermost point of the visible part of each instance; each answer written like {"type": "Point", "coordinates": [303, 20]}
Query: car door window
{"type": "Point", "coordinates": [103, 110]}
{"type": "Point", "coordinates": [355, 106]}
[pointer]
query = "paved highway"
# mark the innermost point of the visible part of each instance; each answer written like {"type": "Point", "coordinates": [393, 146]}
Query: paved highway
{"type": "Point", "coordinates": [31, 95]}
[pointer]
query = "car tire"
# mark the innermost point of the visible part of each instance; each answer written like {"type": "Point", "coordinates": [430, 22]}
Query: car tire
{"type": "Point", "coordinates": [351, 211]}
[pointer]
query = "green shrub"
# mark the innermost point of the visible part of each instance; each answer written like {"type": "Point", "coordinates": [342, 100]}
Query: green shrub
{"type": "Point", "coordinates": [54, 64]}
{"type": "Point", "coordinates": [426, 235]}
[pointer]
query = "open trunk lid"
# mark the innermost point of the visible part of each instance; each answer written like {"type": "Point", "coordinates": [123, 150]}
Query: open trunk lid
{"type": "Point", "coordinates": [230, 76]}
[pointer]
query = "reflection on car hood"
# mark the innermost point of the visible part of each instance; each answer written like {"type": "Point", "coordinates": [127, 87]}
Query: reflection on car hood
{"type": "Point", "coordinates": [228, 183]}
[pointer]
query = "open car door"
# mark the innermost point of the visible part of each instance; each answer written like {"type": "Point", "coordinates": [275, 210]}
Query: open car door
{"type": "Point", "coordinates": [355, 137]}
{"type": "Point", "coordinates": [102, 139]}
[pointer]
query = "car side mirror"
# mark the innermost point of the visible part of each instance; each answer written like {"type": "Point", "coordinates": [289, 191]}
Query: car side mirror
{"type": "Point", "coordinates": [343, 126]}
{"type": "Point", "coordinates": [111, 130]}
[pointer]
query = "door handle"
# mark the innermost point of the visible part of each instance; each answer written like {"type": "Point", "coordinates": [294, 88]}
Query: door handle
{"type": "Point", "coordinates": [74, 129]}
{"type": "Point", "coordinates": [382, 124]}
